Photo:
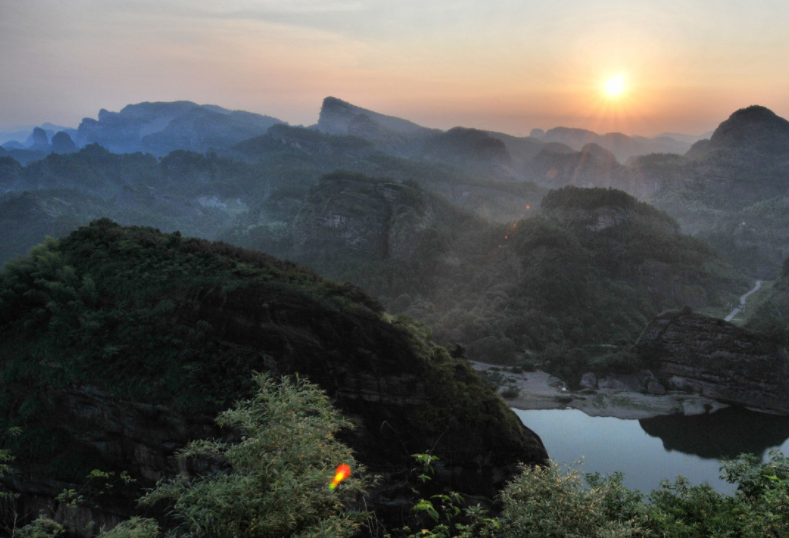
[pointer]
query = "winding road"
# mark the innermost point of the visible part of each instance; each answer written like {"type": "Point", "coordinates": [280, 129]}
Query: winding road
{"type": "Point", "coordinates": [743, 298]}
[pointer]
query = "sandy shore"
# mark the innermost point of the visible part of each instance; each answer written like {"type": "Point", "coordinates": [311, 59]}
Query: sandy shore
{"type": "Point", "coordinates": [539, 390]}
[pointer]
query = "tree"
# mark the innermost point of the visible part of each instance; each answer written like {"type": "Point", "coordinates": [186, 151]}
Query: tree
{"type": "Point", "coordinates": [274, 481]}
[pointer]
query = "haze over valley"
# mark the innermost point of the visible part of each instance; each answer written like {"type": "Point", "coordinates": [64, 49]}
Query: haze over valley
{"type": "Point", "coordinates": [454, 275]}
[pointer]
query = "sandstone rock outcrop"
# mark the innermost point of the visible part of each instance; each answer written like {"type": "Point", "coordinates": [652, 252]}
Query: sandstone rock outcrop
{"type": "Point", "coordinates": [352, 214]}
{"type": "Point", "coordinates": [249, 312]}
{"type": "Point", "coordinates": [717, 359]}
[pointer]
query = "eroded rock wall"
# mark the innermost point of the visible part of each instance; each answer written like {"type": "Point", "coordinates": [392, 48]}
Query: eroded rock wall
{"type": "Point", "coordinates": [717, 359]}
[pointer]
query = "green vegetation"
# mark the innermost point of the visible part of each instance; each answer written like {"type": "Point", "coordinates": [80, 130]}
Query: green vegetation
{"type": "Point", "coordinates": [157, 331]}
{"type": "Point", "coordinates": [272, 482]}
{"type": "Point", "coordinates": [771, 314]}
{"type": "Point", "coordinates": [277, 475]}
{"type": "Point", "coordinates": [553, 288]}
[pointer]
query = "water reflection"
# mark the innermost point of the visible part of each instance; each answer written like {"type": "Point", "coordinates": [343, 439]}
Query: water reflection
{"type": "Point", "coordinates": [724, 434]}
{"type": "Point", "coordinates": [649, 451]}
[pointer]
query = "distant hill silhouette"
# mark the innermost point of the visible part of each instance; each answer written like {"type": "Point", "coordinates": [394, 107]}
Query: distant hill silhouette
{"type": "Point", "coordinates": [732, 188]}
{"type": "Point", "coordinates": [753, 129]}
{"type": "Point", "coordinates": [160, 128]}
{"type": "Point", "coordinates": [622, 146]}
{"type": "Point", "coordinates": [336, 116]}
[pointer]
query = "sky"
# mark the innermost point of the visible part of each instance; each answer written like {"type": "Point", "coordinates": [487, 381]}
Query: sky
{"type": "Point", "coordinates": [503, 65]}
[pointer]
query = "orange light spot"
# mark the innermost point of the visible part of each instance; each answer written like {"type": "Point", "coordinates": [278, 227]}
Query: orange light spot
{"type": "Point", "coordinates": [343, 472]}
{"type": "Point", "coordinates": [506, 237]}
{"type": "Point", "coordinates": [528, 207]}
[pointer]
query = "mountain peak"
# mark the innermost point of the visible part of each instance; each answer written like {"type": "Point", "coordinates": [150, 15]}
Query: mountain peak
{"type": "Point", "coordinates": [755, 128]}
{"type": "Point", "coordinates": [336, 115]}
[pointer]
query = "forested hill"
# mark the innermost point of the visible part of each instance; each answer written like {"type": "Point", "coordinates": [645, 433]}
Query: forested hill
{"type": "Point", "coordinates": [731, 190]}
{"type": "Point", "coordinates": [586, 274]}
{"type": "Point", "coordinates": [118, 345]}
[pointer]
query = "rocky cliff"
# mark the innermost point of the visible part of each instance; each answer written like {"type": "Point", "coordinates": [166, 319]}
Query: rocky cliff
{"type": "Point", "coordinates": [351, 214]}
{"type": "Point", "coordinates": [717, 359]}
{"type": "Point", "coordinates": [120, 344]}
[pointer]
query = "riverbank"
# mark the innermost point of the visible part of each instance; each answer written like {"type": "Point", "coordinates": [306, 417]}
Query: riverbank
{"type": "Point", "coordinates": [539, 390]}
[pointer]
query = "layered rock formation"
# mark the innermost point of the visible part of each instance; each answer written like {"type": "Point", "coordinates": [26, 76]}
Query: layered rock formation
{"type": "Point", "coordinates": [717, 359]}
{"type": "Point", "coordinates": [373, 219]}
{"type": "Point", "coordinates": [178, 327]}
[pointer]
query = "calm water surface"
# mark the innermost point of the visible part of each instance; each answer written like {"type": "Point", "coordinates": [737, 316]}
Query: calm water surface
{"type": "Point", "coordinates": [651, 450]}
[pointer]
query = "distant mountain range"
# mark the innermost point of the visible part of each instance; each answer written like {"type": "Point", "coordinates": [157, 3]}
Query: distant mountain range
{"type": "Point", "coordinates": [156, 128]}
{"type": "Point", "coordinates": [622, 146]}
{"type": "Point", "coordinates": [162, 127]}
{"type": "Point", "coordinates": [710, 185]}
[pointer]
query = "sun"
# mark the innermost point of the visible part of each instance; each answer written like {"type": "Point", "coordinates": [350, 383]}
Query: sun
{"type": "Point", "coordinates": [615, 87]}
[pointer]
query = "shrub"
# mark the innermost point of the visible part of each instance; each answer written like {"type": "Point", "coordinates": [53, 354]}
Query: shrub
{"type": "Point", "coordinates": [544, 501]}
{"type": "Point", "coordinates": [276, 477]}
{"type": "Point", "coordinates": [510, 393]}
{"type": "Point", "coordinates": [493, 350]}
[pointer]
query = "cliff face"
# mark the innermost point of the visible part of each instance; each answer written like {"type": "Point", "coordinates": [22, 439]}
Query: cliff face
{"type": "Point", "coordinates": [717, 359]}
{"type": "Point", "coordinates": [352, 214]}
{"type": "Point", "coordinates": [639, 243]}
{"type": "Point", "coordinates": [177, 328]}
{"type": "Point", "coordinates": [340, 117]}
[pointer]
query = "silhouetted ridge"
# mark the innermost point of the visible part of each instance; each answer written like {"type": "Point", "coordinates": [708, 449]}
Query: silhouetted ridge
{"type": "Point", "coordinates": [755, 128]}
{"type": "Point", "coordinates": [336, 115]}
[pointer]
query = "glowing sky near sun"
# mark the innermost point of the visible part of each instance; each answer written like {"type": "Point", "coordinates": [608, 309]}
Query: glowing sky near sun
{"type": "Point", "coordinates": [508, 65]}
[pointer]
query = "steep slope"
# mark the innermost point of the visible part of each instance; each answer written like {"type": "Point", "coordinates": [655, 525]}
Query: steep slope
{"type": "Point", "coordinates": [717, 359]}
{"type": "Point", "coordinates": [118, 344]}
{"type": "Point", "coordinates": [522, 149]}
{"type": "Point", "coordinates": [772, 315]}
{"type": "Point", "coordinates": [337, 116]}
{"type": "Point", "coordinates": [593, 166]}
{"type": "Point", "coordinates": [732, 189]}
{"type": "Point", "coordinates": [754, 129]}
{"type": "Point", "coordinates": [472, 150]}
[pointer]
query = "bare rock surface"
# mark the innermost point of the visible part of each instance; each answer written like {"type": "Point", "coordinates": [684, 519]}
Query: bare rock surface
{"type": "Point", "coordinates": [716, 359]}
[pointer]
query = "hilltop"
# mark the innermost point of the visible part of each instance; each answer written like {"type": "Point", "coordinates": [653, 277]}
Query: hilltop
{"type": "Point", "coordinates": [731, 190]}
{"type": "Point", "coordinates": [590, 270]}
{"type": "Point", "coordinates": [148, 335]}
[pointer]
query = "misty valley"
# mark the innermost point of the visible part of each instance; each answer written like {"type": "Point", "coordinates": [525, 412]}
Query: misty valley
{"type": "Point", "coordinates": [456, 314]}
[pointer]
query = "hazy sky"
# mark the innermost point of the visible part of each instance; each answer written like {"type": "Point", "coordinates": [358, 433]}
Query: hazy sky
{"type": "Point", "coordinates": [505, 65]}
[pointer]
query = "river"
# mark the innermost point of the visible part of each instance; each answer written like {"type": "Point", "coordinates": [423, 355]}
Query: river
{"type": "Point", "coordinates": [651, 450]}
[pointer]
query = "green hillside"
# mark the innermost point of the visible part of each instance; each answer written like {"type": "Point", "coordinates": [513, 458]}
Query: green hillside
{"type": "Point", "coordinates": [118, 345]}
{"type": "Point", "coordinates": [589, 271]}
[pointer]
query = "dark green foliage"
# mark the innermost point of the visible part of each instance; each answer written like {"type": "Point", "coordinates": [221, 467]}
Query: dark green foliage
{"type": "Point", "coordinates": [772, 315]}
{"type": "Point", "coordinates": [550, 284]}
{"type": "Point", "coordinates": [138, 316]}
{"type": "Point", "coordinates": [571, 197]}
{"type": "Point", "coordinates": [493, 350]}
{"type": "Point", "coordinates": [544, 501]}
{"type": "Point", "coordinates": [102, 294]}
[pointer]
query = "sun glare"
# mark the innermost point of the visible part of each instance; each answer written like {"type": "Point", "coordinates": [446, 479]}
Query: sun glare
{"type": "Point", "coordinates": [614, 87]}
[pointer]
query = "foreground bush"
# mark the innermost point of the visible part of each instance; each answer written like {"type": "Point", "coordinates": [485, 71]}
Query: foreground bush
{"type": "Point", "coordinates": [271, 483]}
{"type": "Point", "coordinates": [547, 502]}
